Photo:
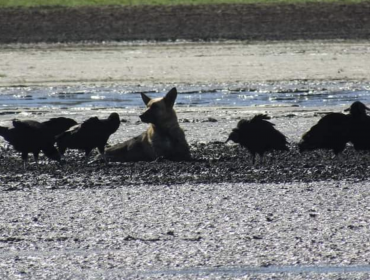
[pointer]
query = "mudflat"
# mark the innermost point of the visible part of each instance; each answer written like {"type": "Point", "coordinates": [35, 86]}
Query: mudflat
{"type": "Point", "coordinates": [297, 216]}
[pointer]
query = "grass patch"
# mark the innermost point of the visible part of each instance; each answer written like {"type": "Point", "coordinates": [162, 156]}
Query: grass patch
{"type": "Point", "coordinates": [76, 3]}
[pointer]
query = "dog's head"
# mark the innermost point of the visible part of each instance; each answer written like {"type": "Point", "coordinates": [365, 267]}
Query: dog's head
{"type": "Point", "coordinates": [159, 110]}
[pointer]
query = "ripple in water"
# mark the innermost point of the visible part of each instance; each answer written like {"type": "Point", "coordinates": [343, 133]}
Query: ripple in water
{"type": "Point", "coordinates": [126, 97]}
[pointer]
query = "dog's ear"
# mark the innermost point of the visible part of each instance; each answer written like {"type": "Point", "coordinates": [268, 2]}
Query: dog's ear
{"type": "Point", "coordinates": [170, 97]}
{"type": "Point", "coordinates": [145, 98]}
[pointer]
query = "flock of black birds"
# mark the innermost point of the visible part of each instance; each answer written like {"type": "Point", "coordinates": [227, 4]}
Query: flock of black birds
{"type": "Point", "coordinates": [29, 136]}
{"type": "Point", "coordinates": [335, 130]}
{"type": "Point", "coordinates": [332, 132]}
{"type": "Point", "coordinates": [257, 135]}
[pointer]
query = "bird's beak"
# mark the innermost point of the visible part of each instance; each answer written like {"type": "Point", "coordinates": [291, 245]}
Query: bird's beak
{"type": "Point", "coordinates": [347, 110]}
{"type": "Point", "coordinates": [228, 139]}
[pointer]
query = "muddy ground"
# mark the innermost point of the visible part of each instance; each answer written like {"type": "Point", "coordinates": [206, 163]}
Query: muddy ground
{"type": "Point", "coordinates": [204, 22]}
{"type": "Point", "coordinates": [212, 162]}
{"type": "Point", "coordinates": [186, 231]}
{"type": "Point", "coordinates": [297, 216]}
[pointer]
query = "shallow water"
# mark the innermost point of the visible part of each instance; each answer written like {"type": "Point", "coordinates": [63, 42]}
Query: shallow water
{"type": "Point", "coordinates": [234, 95]}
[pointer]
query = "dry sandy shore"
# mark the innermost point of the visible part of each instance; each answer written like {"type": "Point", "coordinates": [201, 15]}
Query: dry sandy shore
{"type": "Point", "coordinates": [184, 63]}
{"type": "Point", "coordinates": [52, 228]}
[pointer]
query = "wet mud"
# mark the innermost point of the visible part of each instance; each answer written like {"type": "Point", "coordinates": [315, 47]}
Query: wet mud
{"type": "Point", "coordinates": [212, 163]}
{"type": "Point", "coordinates": [187, 231]}
{"type": "Point", "coordinates": [217, 216]}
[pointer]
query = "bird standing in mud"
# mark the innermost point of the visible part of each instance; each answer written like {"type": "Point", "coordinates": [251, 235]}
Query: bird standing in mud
{"type": "Point", "coordinates": [332, 132]}
{"type": "Point", "coordinates": [92, 133]}
{"type": "Point", "coordinates": [30, 136]}
{"type": "Point", "coordinates": [258, 136]}
{"type": "Point", "coordinates": [335, 130]}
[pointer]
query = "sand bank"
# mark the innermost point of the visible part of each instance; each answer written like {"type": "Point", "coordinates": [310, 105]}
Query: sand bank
{"type": "Point", "coordinates": [183, 63]}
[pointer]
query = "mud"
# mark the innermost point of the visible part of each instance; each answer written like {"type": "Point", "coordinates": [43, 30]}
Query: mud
{"type": "Point", "coordinates": [216, 217]}
{"type": "Point", "coordinates": [213, 161]}
{"type": "Point", "coordinates": [296, 216]}
{"type": "Point", "coordinates": [186, 231]}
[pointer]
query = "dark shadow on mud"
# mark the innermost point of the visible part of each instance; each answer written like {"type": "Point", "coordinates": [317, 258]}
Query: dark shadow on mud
{"type": "Point", "coordinates": [212, 163]}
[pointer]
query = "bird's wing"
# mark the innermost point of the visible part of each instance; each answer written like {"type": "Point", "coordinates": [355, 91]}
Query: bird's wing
{"type": "Point", "coordinates": [91, 123]}
{"type": "Point", "coordinates": [21, 124]}
{"type": "Point", "coordinates": [243, 124]}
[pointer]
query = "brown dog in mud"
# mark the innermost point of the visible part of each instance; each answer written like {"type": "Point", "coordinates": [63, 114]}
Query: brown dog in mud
{"type": "Point", "coordinates": [163, 139]}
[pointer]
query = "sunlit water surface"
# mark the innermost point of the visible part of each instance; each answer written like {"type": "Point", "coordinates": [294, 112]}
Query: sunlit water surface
{"type": "Point", "coordinates": [126, 97]}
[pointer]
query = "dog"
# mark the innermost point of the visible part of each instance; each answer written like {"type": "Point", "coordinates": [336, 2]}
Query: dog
{"type": "Point", "coordinates": [163, 139]}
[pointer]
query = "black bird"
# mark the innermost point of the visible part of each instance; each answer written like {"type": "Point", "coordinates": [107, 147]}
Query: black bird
{"type": "Point", "coordinates": [331, 133]}
{"type": "Point", "coordinates": [30, 136]}
{"type": "Point", "coordinates": [359, 126]}
{"type": "Point", "coordinates": [358, 110]}
{"type": "Point", "coordinates": [92, 133]}
{"type": "Point", "coordinates": [258, 136]}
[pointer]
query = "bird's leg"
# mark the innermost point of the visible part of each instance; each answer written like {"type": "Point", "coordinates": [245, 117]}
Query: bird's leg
{"type": "Point", "coordinates": [261, 159]}
{"type": "Point", "coordinates": [253, 159]}
{"type": "Point", "coordinates": [337, 156]}
{"type": "Point", "coordinates": [87, 153]}
{"type": "Point", "coordinates": [36, 156]}
{"type": "Point", "coordinates": [102, 154]}
{"type": "Point", "coordinates": [61, 157]}
{"type": "Point", "coordinates": [61, 150]}
{"type": "Point", "coordinates": [25, 159]}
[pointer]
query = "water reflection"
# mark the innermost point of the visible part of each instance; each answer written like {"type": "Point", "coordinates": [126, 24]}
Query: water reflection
{"type": "Point", "coordinates": [126, 97]}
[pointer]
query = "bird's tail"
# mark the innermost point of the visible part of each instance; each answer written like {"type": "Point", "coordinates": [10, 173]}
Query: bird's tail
{"type": "Point", "coordinates": [261, 117]}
